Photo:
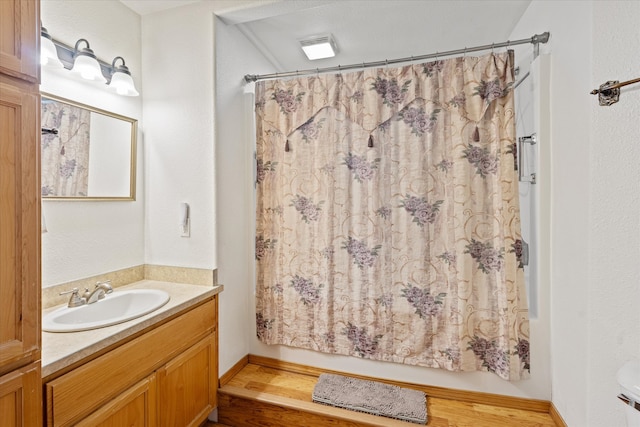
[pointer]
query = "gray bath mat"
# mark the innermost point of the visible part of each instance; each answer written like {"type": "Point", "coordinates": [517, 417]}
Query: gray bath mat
{"type": "Point", "coordinates": [371, 397]}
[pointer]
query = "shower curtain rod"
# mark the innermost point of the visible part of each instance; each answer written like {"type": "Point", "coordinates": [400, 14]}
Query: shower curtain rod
{"type": "Point", "coordinates": [535, 40]}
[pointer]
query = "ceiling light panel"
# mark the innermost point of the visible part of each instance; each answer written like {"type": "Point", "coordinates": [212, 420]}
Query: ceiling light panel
{"type": "Point", "coordinates": [319, 47]}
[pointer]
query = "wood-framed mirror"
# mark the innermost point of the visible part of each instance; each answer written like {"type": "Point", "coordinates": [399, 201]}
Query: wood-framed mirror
{"type": "Point", "coordinates": [86, 153]}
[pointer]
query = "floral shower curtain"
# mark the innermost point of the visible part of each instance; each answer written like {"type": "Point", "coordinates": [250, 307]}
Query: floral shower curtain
{"type": "Point", "coordinates": [388, 216]}
{"type": "Point", "coordinates": [65, 156]}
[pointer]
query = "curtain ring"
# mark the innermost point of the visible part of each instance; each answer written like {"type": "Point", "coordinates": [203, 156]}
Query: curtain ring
{"type": "Point", "coordinates": [492, 46]}
{"type": "Point", "coordinates": [464, 54]}
{"type": "Point", "coordinates": [318, 71]}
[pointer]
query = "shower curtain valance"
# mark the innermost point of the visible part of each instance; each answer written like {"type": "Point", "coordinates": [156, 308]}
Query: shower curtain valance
{"type": "Point", "coordinates": [396, 93]}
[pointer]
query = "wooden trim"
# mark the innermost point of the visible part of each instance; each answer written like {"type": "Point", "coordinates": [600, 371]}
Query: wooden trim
{"type": "Point", "coordinates": [555, 416]}
{"type": "Point", "coordinates": [439, 392]}
{"type": "Point", "coordinates": [215, 363]}
{"type": "Point", "coordinates": [224, 379]}
{"type": "Point", "coordinates": [291, 408]}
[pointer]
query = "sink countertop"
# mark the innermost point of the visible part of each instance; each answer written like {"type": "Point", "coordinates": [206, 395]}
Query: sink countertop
{"type": "Point", "coordinates": [61, 349]}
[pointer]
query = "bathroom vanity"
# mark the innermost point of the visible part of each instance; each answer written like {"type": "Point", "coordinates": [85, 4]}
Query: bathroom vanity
{"type": "Point", "coordinates": [160, 369]}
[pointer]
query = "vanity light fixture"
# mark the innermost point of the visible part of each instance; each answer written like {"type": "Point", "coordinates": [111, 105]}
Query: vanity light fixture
{"type": "Point", "coordinates": [121, 80]}
{"type": "Point", "coordinates": [48, 53]}
{"type": "Point", "coordinates": [85, 63]}
{"type": "Point", "coordinates": [82, 62]}
{"type": "Point", "coordinates": [319, 47]}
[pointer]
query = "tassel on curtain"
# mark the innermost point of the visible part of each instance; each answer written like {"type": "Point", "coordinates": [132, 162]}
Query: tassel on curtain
{"type": "Point", "coordinates": [476, 135]}
{"type": "Point", "coordinates": [408, 251]}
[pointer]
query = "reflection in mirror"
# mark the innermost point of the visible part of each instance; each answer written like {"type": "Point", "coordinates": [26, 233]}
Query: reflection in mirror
{"type": "Point", "coordinates": [87, 153]}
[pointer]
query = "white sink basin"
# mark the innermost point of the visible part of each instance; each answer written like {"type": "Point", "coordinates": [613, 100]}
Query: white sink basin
{"type": "Point", "coordinates": [116, 307]}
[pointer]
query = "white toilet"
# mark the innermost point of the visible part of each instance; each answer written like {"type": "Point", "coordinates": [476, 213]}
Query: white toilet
{"type": "Point", "coordinates": [629, 379]}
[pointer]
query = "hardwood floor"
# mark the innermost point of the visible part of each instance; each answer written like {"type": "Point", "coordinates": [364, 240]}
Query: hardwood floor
{"type": "Point", "coordinates": [294, 387]}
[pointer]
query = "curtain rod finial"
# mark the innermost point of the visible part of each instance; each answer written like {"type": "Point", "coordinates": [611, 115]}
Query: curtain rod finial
{"type": "Point", "coordinates": [540, 38]}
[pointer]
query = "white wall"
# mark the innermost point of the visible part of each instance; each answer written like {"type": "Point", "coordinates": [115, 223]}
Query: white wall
{"type": "Point", "coordinates": [595, 242]}
{"type": "Point", "coordinates": [235, 57]}
{"type": "Point", "coordinates": [109, 156]}
{"type": "Point", "coordinates": [183, 162]}
{"type": "Point", "coordinates": [88, 238]}
{"type": "Point", "coordinates": [570, 136]}
{"type": "Point", "coordinates": [614, 210]}
{"type": "Point", "coordinates": [179, 127]}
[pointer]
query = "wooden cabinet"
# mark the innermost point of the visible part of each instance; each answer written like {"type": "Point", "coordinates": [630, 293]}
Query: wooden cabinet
{"type": "Point", "coordinates": [20, 39]}
{"type": "Point", "coordinates": [20, 397]}
{"type": "Point", "coordinates": [186, 387]}
{"type": "Point", "coordinates": [166, 376]}
{"type": "Point", "coordinates": [20, 382]}
{"type": "Point", "coordinates": [19, 225]}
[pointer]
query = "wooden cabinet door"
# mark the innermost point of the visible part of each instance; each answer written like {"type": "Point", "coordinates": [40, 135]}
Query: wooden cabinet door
{"type": "Point", "coordinates": [187, 386]}
{"type": "Point", "coordinates": [20, 39]}
{"type": "Point", "coordinates": [19, 223]}
{"type": "Point", "coordinates": [135, 407]}
{"type": "Point", "coordinates": [21, 397]}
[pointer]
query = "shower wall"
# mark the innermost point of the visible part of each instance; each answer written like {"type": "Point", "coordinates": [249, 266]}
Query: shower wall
{"type": "Point", "coordinates": [525, 127]}
{"type": "Point", "coordinates": [593, 203]}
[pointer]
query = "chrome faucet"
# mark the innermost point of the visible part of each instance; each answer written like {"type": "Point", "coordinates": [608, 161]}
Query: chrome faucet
{"type": "Point", "coordinates": [75, 300]}
{"type": "Point", "coordinates": [98, 292]}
